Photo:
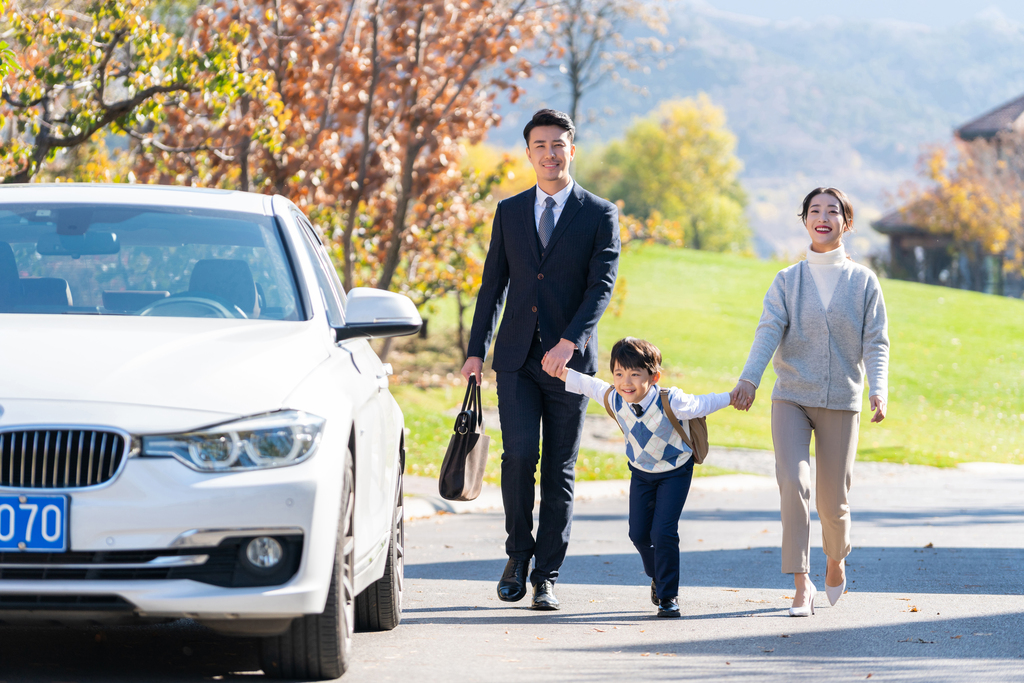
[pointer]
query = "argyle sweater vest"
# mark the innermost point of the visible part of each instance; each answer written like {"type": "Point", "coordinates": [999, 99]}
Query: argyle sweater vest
{"type": "Point", "coordinates": [652, 445]}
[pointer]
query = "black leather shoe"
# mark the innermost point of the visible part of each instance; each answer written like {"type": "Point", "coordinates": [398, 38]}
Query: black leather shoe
{"type": "Point", "coordinates": [512, 587]}
{"type": "Point", "coordinates": [654, 594]}
{"type": "Point", "coordinates": [544, 596]}
{"type": "Point", "coordinates": [669, 608]}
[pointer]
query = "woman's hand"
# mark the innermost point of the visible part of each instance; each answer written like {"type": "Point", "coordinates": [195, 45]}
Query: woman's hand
{"type": "Point", "coordinates": [877, 405]}
{"type": "Point", "coordinates": [742, 395]}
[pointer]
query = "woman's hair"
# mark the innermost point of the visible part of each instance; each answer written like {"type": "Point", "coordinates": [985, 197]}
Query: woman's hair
{"type": "Point", "coordinates": [636, 354]}
{"type": "Point", "coordinates": [844, 203]}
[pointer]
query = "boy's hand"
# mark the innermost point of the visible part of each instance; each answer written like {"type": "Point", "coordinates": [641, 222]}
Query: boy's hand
{"type": "Point", "coordinates": [555, 360]}
{"type": "Point", "coordinates": [742, 396]}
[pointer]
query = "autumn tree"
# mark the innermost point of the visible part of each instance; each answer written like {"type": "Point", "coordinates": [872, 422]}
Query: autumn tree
{"type": "Point", "coordinates": [978, 199]}
{"type": "Point", "coordinates": [107, 68]}
{"type": "Point", "coordinates": [589, 44]}
{"type": "Point", "coordinates": [678, 164]}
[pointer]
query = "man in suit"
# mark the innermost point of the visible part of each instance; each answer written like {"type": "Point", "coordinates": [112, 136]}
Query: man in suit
{"type": "Point", "coordinates": [552, 261]}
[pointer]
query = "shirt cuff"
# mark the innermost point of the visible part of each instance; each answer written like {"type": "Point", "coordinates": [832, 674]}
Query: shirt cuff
{"type": "Point", "coordinates": [572, 382]}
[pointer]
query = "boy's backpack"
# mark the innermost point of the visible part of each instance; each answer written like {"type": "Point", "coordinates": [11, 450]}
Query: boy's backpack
{"type": "Point", "coordinates": [694, 432]}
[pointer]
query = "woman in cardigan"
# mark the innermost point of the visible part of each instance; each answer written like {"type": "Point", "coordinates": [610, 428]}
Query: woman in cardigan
{"type": "Point", "coordinates": [824, 321]}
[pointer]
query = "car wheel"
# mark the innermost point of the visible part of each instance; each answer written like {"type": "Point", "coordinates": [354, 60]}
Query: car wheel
{"type": "Point", "coordinates": [319, 646]}
{"type": "Point", "coordinates": [379, 607]}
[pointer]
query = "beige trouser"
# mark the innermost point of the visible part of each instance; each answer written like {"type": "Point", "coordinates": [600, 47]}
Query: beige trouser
{"type": "Point", "coordinates": [835, 447]}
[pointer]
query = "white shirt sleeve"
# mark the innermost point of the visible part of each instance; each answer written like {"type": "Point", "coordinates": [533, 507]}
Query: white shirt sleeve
{"type": "Point", "coordinates": [592, 387]}
{"type": "Point", "coordinates": [687, 406]}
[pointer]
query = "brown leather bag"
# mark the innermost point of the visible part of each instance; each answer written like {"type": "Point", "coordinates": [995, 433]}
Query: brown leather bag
{"type": "Point", "coordinates": [462, 472]}
{"type": "Point", "coordinates": [694, 432]}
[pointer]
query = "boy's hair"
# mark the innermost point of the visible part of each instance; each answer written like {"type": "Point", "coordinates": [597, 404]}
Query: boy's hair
{"type": "Point", "coordinates": [636, 354]}
{"type": "Point", "coordinates": [550, 117]}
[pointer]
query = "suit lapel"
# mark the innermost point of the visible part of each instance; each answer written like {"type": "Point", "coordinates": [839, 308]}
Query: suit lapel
{"type": "Point", "coordinates": [530, 222]}
{"type": "Point", "coordinates": [572, 204]}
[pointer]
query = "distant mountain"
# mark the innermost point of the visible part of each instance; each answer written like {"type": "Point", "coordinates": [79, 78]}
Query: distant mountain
{"type": "Point", "coordinates": [831, 101]}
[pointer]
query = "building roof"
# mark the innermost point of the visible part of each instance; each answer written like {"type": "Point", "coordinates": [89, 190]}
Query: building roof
{"type": "Point", "coordinates": [898, 221]}
{"type": "Point", "coordinates": [1005, 118]}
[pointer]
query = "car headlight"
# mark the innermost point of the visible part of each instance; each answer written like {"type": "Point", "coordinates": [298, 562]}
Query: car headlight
{"type": "Point", "coordinates": [272, 440]}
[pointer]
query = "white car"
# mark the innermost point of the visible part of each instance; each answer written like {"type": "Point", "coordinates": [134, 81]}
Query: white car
{"type": "Point", "coordinates": [193, 423]}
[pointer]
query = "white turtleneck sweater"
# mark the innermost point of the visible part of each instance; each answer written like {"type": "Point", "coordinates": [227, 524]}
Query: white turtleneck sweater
{"type": "Point", "coordinates": [825, 269]}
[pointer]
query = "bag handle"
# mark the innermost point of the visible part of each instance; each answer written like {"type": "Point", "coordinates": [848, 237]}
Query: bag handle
{"type": "Point", "coordinates": [472, 404]}
{"type": "Point", "coordinates": [663, 397]}
{"type": "Point", "coordinates": [608, 407]}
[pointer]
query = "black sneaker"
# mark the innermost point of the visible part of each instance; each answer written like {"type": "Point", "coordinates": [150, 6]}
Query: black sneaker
{"type": "Point", "coordinates": [669, 608]}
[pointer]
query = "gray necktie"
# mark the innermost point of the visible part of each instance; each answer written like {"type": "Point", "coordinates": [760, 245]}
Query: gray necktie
{"type": "Point", "coordinates": [547, 222]}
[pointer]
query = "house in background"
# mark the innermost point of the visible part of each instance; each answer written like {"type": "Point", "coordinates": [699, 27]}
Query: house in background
{"type": "Point", "coordinates": [918, 254]}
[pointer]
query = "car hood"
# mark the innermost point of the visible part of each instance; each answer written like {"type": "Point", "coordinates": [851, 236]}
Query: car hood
{"type": "Point", "coordinates": [201, 365]}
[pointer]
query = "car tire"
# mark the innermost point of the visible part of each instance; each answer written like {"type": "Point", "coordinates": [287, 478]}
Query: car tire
{"type": "Point", "coordinates": [319, 646]}
{"type": "Point", "coordinates": [379, 607]}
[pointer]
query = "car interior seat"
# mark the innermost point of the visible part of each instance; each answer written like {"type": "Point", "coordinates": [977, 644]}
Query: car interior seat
{"type": "Point", "coordinates": [46, 291]}
{"type": "Point", "coordinates": [228, 279]}
{"type": "Point", "coordinates": [10, 283]}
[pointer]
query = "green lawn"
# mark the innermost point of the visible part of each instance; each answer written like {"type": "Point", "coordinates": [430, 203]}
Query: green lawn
{"type": "Point", "coordinates": [956, 373]}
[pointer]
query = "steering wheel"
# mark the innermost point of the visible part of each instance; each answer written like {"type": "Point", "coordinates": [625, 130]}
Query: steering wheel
{"type": "Point", "coordinates": [193, 305]}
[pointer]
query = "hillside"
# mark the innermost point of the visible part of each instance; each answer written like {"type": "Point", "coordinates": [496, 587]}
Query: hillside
{"type": "Point", "coordinates": [956, 375]}
{"type": "Point", "coordinates": [830, 101]}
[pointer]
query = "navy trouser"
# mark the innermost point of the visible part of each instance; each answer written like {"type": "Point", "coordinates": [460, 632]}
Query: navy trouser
{"type": "Point", "coordinates": [526, 398]}
{"type": "Point", "coordinates": [655, 503]}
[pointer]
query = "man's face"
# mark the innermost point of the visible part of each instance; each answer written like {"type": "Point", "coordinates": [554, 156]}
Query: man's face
{"type": "Point", "coordinates": [550, 151]}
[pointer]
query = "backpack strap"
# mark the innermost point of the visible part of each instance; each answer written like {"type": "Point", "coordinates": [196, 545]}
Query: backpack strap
{"type": "Point", "coordinates": [608, 407]}
{"type": "Point", "coordinates": [680, 429]}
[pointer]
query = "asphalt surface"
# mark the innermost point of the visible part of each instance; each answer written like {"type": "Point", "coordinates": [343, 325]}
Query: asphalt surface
{"type": "Point", "coordinates": [935, 594]}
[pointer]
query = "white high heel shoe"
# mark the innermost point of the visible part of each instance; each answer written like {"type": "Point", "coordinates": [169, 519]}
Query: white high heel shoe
{"type": "Point", "coordinates": [836, 592]}
{"type": "Point", "coordinates": [808, 609]}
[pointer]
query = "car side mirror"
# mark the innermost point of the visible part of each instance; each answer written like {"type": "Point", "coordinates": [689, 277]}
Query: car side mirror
{"type": "Point", "coordinates": [373, 313]}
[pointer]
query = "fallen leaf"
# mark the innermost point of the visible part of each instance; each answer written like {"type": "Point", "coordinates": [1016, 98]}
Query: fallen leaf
{"type": "Point", "coordinates": [784, 635]}
{"type": "Point", "coordinates": [790, 597]}
{"type": "Point", "coordinates": [539, 638]}
{"type": "Point", "coordinates": [448, 546]}
{"type": "Point", "coordinates": [700, 540]}
{"type": "Point", "coordinates": [731, 590]}
{"type": "Point", "coordinates": [955, 637]}
{"type": "Point", "coordinates": [749, 600]}
{"type": "Point", "coordinates": [599, 630]}
{"type": "Point", "coordinates": [728, 663]}
{"type": "Point", "coordinates": [767, 649]}
{"type": "Point", "coordinates": [668, 654]}
{"type": "Point", "coordinates": [913, 608]}
{"type": "Point", "coordinates": [869, 676]}
{"type": "Point", "coordinates": [646, 654]}
{"type": "Point", "coordinates": [930, 545]}
{"type": "Point", "coordinates": [907, 599]}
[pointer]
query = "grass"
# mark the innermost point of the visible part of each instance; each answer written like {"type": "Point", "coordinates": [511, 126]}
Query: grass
{"type": "Point", "coordinates": [956, 372]}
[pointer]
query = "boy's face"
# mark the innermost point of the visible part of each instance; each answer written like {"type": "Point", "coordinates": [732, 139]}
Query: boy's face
{"type": "Point", "coordinates": [633, 385]}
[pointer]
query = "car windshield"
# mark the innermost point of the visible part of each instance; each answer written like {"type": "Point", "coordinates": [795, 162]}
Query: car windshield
{"type": "Point", "coordinates": [143, 260]}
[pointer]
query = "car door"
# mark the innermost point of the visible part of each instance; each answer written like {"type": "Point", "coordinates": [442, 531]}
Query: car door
{"type": "Point", "coordinates": [375, 442]}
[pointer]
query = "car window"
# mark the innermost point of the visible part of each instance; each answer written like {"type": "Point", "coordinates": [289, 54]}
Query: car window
{"type": "Point", "coordinates": [326, 276]}
{"type": "Point", "coordinates": [143, 260]}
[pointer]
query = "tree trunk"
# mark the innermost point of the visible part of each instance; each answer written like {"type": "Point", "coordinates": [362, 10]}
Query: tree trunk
{"type": "Point", "coordinates": [462, 326]}
{"type": "Point", "coordinates": [394, 248]}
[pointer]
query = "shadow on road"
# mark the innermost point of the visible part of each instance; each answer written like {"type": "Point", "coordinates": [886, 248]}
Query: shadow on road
{"type": "Point", "coordinates": [180, 652]}
{"type": "Point", "coordinates": [956, 571]}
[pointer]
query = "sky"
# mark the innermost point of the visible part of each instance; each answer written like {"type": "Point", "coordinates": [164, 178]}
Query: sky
{"type": "Point", "coordinates": [935, 13]}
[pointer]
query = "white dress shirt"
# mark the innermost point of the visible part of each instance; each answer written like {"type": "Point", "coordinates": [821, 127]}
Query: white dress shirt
{"type": "Point", "coordinates": [684, 406]}
{"type": "Point", "coordinates": [559, 197]}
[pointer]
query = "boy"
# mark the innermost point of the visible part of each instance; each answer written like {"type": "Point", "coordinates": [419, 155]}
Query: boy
{"type": "Point", "coordinates": [660, 461]}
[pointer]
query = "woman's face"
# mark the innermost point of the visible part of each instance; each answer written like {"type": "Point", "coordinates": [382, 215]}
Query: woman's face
{"type": "Point", "coordinates": [825, 223]}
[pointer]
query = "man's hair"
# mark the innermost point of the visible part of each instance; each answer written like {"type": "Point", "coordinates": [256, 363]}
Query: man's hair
{"type": "Point", "coordinates": [550, 117]}
{"type": "Point", "coordinates": [636, 354]}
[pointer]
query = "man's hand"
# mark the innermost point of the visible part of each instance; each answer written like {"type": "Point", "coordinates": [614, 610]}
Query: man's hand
{"type": "Point", "coordinates": [877, 405]}
{"type": "Point", "coordinates": [474, 367]}
{"type": "Point", "coordinates": [742, 396]}
{"type": "Point", "coordinates": [554, 360]}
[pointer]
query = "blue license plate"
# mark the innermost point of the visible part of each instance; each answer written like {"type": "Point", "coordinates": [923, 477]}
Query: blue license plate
{"type": "Point", "coordinates": [34, 524]}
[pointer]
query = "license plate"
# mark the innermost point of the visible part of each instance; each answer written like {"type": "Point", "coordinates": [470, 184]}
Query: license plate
{"type": "Point", "coordinates": [33, 524]}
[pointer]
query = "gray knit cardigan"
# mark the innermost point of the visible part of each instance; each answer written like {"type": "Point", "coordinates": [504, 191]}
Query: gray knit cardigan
{"type": "Point", "coordinates": [820, 355]}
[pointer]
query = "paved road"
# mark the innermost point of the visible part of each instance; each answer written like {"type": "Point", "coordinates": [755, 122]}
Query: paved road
{"type": "Point", "coordinates": [936, 594]}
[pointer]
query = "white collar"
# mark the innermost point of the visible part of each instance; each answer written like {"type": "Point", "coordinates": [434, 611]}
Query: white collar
{"type": "Point", "coordinates": [559, 196]}
{"type": "Point", "coordinates": [831, 258]}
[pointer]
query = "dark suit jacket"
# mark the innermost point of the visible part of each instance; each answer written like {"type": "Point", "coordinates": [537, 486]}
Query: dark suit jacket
{"type": "Point", "coordinates": [566, 288]}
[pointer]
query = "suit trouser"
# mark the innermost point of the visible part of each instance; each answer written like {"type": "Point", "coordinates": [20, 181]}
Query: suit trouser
{"type": "Point", "coordinates": [526, 398]}
{"type": "Point", "coordinates": [655, 503]}
{"type": "Point", "coordinates": [835, 448]}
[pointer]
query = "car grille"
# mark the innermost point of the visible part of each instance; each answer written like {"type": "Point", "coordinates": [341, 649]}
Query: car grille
{"type": "Point", "coordinates": [65, 603]}
{"type": "Point", "coordinates": [223, 567]}
{"type": "Point", "coordinates": [59, 458]}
